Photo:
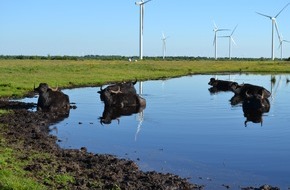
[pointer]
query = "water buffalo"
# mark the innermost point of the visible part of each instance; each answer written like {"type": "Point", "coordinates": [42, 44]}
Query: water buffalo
{"type": "Point", "coordinates": [250, 89]}
{"type": "Point", "coordinates": [51, 100]}
{"type": "Point", "coordinates": [121, 95]}
{"type": "Point", "coordinates": [122, 99]}
{"type": "Point", "coordinates": [125, 87]}
{"type": "Point", "coordinates": [114, 113]}
{"type": "Point", "coordinates": [220, 85]}
{"type": "Point", "coordinates": [254, 106]}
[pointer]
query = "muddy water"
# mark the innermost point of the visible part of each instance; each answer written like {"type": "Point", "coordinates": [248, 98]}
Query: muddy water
{"type": "Point", "coordinates": [188, 131]}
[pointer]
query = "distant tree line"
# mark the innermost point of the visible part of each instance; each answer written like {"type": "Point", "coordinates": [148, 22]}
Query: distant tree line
{"type": "Point", "coordinates": [127, 58]}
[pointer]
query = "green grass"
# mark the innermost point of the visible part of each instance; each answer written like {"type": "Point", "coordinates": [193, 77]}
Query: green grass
{"type": "Point", "coordinates": [3, 111]}
{"type": "Point", "coordinates": [12, 175]}
{"type": "Point", "coordinates": [13, 160]}
{"type": "Point", "coordinates": [17, 77]}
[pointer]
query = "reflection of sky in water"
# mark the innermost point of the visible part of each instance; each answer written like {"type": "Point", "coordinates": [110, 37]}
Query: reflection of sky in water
{"type": "Point", "coordinates": [189, 132]}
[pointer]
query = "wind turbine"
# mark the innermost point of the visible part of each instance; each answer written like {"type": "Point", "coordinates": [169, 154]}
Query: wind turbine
{"type": "Point", "coordinates": [281, 45]}
{"type": "Point", "coordinates": [164, 44]}
{"type": "Point", "coordinates": [231, 39]}
{"type": "Point", "coordinates": [141, 4]}
{"type": "Point", "coordinates": [274, 24]}
{"type": "Point", "coordinates": [216, 30]}
{"type": "Point", "coordinates": [281, 40]}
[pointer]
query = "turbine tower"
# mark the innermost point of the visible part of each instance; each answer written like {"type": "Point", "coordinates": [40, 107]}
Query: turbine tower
{"type": "Point", "coordinates": [164, 44]}
{"type": "Point", "coordinates": [281, 46]}
{"type": "Point", "coordinates": [141, 4]}
{"type": "Point", "coordinates": [216, 30]}
{"type": "Point", "coordinates": [274, 24]}
{"type": "Point", "coordinates": [231, 39]}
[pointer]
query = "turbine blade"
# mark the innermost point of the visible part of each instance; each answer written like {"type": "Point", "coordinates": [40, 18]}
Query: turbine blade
{"type": "Point", "coordinates": [282, 10]}
{"type": "Point", "coordinates": [222, 29]}
{"type": "Point", "coordinates": [143, 2]}
{"type": "Point", "coordinates": [234, 30]}
{"type": "Point", "coordinates": [233, 40]}
{"type": "Point", "coordinates": [215, 26]}
{"type": "Point", "coordinates": [276, 26]}
{"type": "Point", "coordinates": [264, 15]}
{"type": "Point", "coordinates": [280, 44]}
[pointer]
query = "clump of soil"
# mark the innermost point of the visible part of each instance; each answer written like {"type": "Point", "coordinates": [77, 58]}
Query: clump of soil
{"type": "Point", "coordinates": [29, 132]}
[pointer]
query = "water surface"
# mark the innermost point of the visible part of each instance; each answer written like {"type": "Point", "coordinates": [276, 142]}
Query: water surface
{"type": "Point", "coordinates": [188, 131]}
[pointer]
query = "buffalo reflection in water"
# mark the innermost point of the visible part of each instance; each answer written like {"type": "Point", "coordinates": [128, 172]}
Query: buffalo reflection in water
{"type": "Point", "coordinates": [254, 99]}
{"type": "Point", "coordinates": [119, 100]}
{"type": "Point", "coordinates": [220, 85]}
{"type": "Point", "coordinates": [114, 113]}
{"type": "Point", "coordinates": [254, 106]}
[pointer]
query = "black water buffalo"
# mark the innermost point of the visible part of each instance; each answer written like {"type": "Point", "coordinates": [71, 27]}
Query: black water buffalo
{"type": "Point", "coordinates": [120, 99]}
{"type": "Point", "coordinates": [121, 95]}
{"type": "Point", "coordinates": [220, 85]}
{"type": "Point", "coordinates": [125, 87]}
{"type": "Point", "coordinates": [250, 89]}
{"type": "Point", "coordinates": [254, 106]}
{"type": "Point", "coordinates": [111, 113]}
{"type": "Point", "coordinates": [51, 100]}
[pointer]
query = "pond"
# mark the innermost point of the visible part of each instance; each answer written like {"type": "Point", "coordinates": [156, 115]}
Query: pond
{"type": "Point", "coordinates": [188, 131]}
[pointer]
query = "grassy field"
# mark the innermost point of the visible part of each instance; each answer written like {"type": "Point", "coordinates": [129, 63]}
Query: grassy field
{"type": "Point", "coordinates": [17, 77]}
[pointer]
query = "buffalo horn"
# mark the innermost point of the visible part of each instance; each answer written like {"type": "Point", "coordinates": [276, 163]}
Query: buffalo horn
{"type": "Point", "coordinates": [262, 94]}
{"type": "Point", "coordinates": [247, 95]}
{"type": "Point", "coordinates": [54, 89]}
{"type": "Point", "coordinates": [116, 91]}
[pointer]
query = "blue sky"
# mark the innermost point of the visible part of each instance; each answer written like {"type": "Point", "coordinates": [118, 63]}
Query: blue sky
{"type": "Point", "coordinates": [102, 27]}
